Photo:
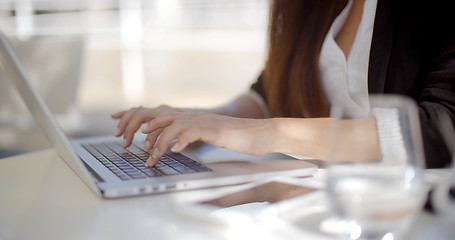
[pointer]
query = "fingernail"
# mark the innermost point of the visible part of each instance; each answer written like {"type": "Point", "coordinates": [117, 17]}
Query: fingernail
{"type": "Point", "coordinates": [124, 143]}
{"type": "Point", "coordinates": [147, 163]}
{"type": "Point", "coordinates": [147, 145]}
{"type": "Point", "coordinates": [175, 147]}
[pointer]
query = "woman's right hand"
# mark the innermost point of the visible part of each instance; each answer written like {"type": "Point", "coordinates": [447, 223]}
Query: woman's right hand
{"type": "Point", "coordinates": [132, 119]}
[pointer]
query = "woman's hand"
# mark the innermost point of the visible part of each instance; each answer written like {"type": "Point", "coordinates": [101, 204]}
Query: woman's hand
{"type": "Point", "coordinates": [177, 129]}
{"type": "Point", "coordinates": [132, 119]}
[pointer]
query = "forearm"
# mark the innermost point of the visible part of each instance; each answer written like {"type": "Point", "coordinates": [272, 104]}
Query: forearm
{"type": "Point", "coordinates": [306, 137]}
{"type": "Point", "coordinates": [312, 137]}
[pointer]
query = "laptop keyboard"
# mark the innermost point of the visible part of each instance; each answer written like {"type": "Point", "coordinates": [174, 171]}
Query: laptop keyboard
{"type": "Point", "coordinates": [128, 163]}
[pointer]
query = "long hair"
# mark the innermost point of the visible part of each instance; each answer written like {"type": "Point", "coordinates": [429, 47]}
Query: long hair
{"type": "Point", "coordinates": [297, 30]}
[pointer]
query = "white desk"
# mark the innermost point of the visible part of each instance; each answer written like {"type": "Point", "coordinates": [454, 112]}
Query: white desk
{"type": "Point", "coordinates": [41, 198]}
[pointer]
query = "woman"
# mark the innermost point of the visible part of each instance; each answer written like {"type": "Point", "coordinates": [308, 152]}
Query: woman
{"type": "Point", "coordinates": [372, 46]}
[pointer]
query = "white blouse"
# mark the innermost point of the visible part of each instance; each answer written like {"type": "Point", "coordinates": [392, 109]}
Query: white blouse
{"type": "Point", "coordinates": [346, 81]}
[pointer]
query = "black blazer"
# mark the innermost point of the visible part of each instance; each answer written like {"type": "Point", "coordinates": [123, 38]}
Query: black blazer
{"type": "Point", "coordinates": [413, 54]}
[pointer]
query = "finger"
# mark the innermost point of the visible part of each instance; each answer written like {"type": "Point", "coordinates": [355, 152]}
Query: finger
{"type": "Point", "coordinates": [151, 139]}
{"type": "Point", "coordinates": [154, 158]}
{"type": "Point", "coordinates": [179, 144]}
{"type": "Point", "coordinates": [125, 118]}
{"type": "Point", "coordinates": [134, 123]}
{"type": "Point", "coordinates": [117, 115]}
{"type": "Point", "coordinates": [167, 136]}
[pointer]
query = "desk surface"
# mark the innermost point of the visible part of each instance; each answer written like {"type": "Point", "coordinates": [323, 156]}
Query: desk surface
{"type": "Point", "coordinates": [41, 198]}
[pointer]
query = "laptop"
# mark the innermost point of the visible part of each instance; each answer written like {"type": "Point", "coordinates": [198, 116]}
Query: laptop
{"type": "Point", "coordinates": [113, 172]}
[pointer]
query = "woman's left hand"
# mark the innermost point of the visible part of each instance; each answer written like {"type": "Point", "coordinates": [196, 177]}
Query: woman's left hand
{"type": "Point", "coordinates": [249, 136]}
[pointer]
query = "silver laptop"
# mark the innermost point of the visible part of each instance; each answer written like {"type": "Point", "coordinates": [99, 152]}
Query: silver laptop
{"type": "Point", "coordinates": [112, 171]}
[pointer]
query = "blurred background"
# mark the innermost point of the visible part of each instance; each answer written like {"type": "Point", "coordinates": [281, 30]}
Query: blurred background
{"type": "Point", "coordinates": [90, 58]}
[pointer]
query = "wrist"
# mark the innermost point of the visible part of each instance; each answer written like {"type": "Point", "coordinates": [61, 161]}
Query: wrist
{"type": "Point", "coordinates": [307, 137]}
{"type": "Point", "coordinates": [278, 132]}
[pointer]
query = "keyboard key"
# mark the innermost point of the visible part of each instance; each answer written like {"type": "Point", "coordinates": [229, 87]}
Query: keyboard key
{"type": "Point", "coordinates": [184, 169]}
{"type": "Point", "coordinates": [151, 172]}
{"type": "Point", "coordinates": [123, 177]}
{"type": "Point", "coordinates": [138, 176]}
{"type": "Point", "coordinates": [178, 156]}
{"type": "Point", "coordinates": [167, 170]}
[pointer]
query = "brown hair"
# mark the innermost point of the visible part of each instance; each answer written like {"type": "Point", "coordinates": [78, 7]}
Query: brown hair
{"type": "Point", "coordinates": [291, 75]}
